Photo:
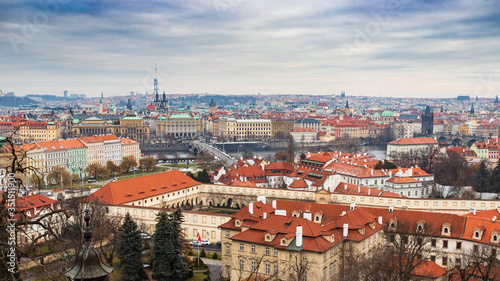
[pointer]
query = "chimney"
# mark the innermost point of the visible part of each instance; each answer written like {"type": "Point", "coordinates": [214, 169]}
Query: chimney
{"type": "Point", "coordinates": [390, 174]}
{"type": "Point", "coordinates": [494, 218]}
{"type": "Point", "coordinates": [369, 191]}
{"type": "Point", "coordinates": [261, 198]}
{"type": "Point", "coordinates": [371, 170]}
{"type": "Point", "coordinates": [308, 215]}
{"type": "Point", "coordinates": [298, 236]}
{"type": "Point", "coordinates": [274, 204]}
{"type": "Point", "coordinates": [343, 213]}
{"type": "Point", "coordinates": [264, 215]}
{"type": "Point", "coordinates": [473, 211]}
{"type": "Point", "coordinates": [352, 207]}
{"type": "Point", "coordinates": [280, 213]}
{"type": "Point", "coordinates": [498, 209]}
{"type": "Point", "coordinates": [262, 165]}
{"type": "Point", "coordinates": [359, 189]}
{"type": "Point", "coordinates": [346, 230]}
{"type": "Point", "coordinates": [380, 220]}
{"type": "Point", "coordinates": [250, 208]}
{"type": "Point", "coordinates": [391, 209]}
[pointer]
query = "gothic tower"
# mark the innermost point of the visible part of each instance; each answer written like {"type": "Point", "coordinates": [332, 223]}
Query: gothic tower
{"type": "Point", "coordinates": [427, 122]}
{"type": "Point", "coordinates": [212, 107]}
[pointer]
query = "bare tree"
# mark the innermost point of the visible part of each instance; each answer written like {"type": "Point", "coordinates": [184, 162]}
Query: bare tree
{"type": "Point", "coordinates": [15, 224]}
{"type": "Point", "coordinates": [479, 262]}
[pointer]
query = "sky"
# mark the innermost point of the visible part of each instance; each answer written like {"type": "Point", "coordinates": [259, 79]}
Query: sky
{"type": "Point", "coordinates": [372, 48]}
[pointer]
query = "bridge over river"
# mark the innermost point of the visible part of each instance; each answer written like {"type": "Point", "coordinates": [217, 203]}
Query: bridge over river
{"type": "Point", "coordinates": [197, 146]}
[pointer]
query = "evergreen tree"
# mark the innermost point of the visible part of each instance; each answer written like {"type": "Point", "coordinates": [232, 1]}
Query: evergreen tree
{"type": "Point", "coordinates": [482, 178]}
{"type": "Point", "coordinates": [203, 176]}
{"type": "Point", "coordinates": [169, 256]}
{"type": "Point", "coordinates": [379, 165]}
{"type": "Point", "coordinates": [179, 265]}
{"type": "Point", "coordinates": [494, 185]}
{"type": "Point", "coordinates": [129, 250]}
{"type": "Point", "coordinates": [389, 165]}
{"type": "Point", "coordinates": [163, 248]}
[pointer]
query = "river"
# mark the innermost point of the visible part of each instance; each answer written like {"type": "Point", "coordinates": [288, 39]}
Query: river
{"type": "Point", "coordinates": [376, 151]}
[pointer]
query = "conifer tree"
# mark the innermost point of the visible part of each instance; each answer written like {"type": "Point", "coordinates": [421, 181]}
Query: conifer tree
{"type": "Point", "coordinates": [179, 265]}
{"type": "Point", "coordinates": [129, 250]}
{"type": "Point", "coordinates": [203, 176]}
{"type": "Point", "coordinates": [482, 178]}
{"type": "Point", "coordinates": [495, 178]}
{"type": "Point", "coordinates": [163, 248]}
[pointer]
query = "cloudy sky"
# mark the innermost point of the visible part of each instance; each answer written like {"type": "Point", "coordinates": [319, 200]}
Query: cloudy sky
{"type": "Point", "coordinates": [388, 48]}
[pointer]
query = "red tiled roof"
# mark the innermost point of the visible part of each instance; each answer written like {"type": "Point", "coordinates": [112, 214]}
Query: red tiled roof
{"type": "Point", "coordinates": [414, 141]}
{"type": "Point", "coordinates": [402, 180]}
{"type": "Point", "coordinates": [133, 189]}
{"type": "Point", "coordinates": [428, 269]}
{"type": "Point", "coordinates": [72, 143]}
{"type": "Point", "coordinates": [299, 183]}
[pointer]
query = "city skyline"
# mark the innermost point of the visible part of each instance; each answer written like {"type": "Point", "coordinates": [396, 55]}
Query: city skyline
{"type": "Point", "coordinates": [400, 49]}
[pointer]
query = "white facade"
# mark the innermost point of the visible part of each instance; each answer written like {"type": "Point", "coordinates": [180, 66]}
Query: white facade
{"type": "Point", "coordinates": [305, 135]}
{"type": "Point", "coordinates": [113, 151]}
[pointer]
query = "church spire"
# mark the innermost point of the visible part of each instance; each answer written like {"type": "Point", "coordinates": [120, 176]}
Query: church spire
{"type": "Point", "coordinates": [347, 104]}
{"type": "Point", "coordinates": [157, 98]}
{"type": "Point", "coordinates": [472, 110]}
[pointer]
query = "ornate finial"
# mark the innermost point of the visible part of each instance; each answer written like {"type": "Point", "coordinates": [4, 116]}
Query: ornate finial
{"type": "Point", "coordinates": [87, 233]}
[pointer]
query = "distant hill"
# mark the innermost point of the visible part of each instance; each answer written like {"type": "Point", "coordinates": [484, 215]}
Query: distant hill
{"type": "Point", "coordinates": [8, 101]}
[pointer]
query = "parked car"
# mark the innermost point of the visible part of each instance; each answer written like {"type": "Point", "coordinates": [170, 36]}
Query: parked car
{"type": "Point", "coordinates": [195, 243]}
{"type": "Point", "coordinates": [219, 244]}
{"type": "Point", "coordinates": [91, 181]}
{"type": "Point", "coordinates": [205, 242]}
{"type": "Point", "coordinates": [144, 235]}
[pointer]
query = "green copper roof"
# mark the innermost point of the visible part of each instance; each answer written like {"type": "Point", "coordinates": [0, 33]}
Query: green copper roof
{"type": "Point", "coordinates": [131, 118]}
{"type": "Point", "coordinates": [162, 118]}
{"type": "Point", "coordinates": [387, 113]}
{"type": "Point", "coordinates": [76, 121]}
{"type": "Point", "coordinates": [179, 116]}
{"type": "Point", "coordinates": [376, 114]}
{"type": "Point", "coordinates": [51, 123]}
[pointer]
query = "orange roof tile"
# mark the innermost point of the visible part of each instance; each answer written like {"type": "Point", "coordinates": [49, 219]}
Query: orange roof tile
{"type": "Point", "coordinates": [133, 189]}
{"type": "Point", "coordinates": [414, 141]}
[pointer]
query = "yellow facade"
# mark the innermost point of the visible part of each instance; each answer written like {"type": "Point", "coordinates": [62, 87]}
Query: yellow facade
{"type": "Point", "coordinates": [39, 131]}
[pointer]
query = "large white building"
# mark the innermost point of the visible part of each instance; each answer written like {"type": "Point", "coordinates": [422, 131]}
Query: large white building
{"type": "Point", "coordinates": [304, 135]}
{"type": "Point", "coordinates": [409, 146]}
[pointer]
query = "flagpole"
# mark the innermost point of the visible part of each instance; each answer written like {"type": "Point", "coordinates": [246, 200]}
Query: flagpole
{"type": "Point", "coordinates": [198, 254]}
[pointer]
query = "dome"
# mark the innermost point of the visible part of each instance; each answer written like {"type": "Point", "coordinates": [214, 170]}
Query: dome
{"type": "Point", "coordinates": [387, 113]}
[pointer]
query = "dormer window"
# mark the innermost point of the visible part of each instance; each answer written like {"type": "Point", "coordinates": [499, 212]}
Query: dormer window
{"type": "Point", "coordinates": [495, 238]}
{"type": "Point", "coordinates": [446, 229]}
{"type": "Point", "coordinates": [283, 242]}
{"type": "Point", "coordinates": [478, 232]}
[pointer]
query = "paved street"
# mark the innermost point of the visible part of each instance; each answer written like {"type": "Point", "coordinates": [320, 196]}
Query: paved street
{"type": "Point", "coordinates": [215, 268]}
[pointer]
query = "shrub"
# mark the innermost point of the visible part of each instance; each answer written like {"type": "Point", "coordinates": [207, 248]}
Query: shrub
{"type": "Point", "coordinates": [195, 262]}
{"type": "Point", "coordinates": [214, 256]}
{"type": "Point", "coordinates": [202, 253]}
{"type": "Point", "coordinates": [146, 246]}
